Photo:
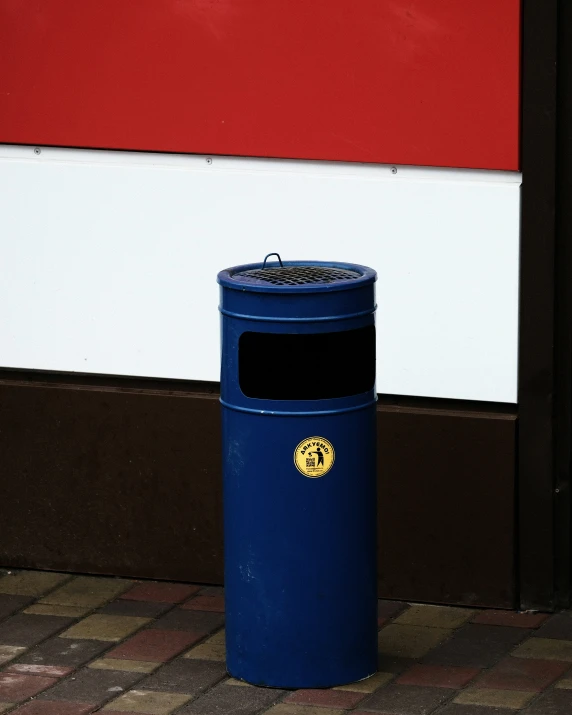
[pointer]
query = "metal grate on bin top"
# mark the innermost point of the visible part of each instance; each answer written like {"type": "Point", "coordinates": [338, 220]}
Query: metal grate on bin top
{"type": "Point", "coordinates": [296, 275]}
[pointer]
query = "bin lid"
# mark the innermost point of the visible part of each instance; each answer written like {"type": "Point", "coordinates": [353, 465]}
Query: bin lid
{"type": "Point", "coordinates": [296, 275]}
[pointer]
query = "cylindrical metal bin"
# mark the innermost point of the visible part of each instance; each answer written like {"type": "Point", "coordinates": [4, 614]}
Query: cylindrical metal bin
{"type": "Point", "coordinates": [299, 453]}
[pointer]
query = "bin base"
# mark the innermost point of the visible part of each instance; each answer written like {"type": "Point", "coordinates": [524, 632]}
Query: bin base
{"type": "Point", "coordinates": [281, 685]}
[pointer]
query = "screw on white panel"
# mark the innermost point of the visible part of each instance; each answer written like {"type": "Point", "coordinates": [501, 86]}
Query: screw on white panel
{"type": "Point", "coordinates": [394, 170]}
{"type": "Point", "coordinates": [209, 160]}
{"type": "Point", "coordinates": [37, 150]}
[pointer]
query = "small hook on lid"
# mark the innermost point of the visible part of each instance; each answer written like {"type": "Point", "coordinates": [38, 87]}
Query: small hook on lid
{"type": "Point", "coordinates": [273, 254]}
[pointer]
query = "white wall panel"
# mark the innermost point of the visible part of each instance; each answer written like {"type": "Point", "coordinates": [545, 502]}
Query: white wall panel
{"type": "Point", "coordinates": [109, 261]}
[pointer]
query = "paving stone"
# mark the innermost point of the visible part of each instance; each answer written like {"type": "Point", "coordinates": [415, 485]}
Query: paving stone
{"type": "Point", "coordinates": [50, 671]}
{"type": "Point", "coordinates": [522, 674]}
{"type": "Point", "coordinates": [155, 645]}
{"type": "Point", "coordinates": [133, 666]}
{"type": "Point", "coordinates": [391, 664]}
{"type": "Point", "coordinates": [9, 652]}
{"type": "Point", "coordinates": [407, 641]}
{"type": "Point", "coordinates": [139, 701]}
{"type": "Point", "coordinates": [222, 700]}
{"type": "Point", "coordinates": [476, 646]}
{"type": "Point", "coordinates": [197, 621]}
{"type": "Point", "coordinates": [212, 591]}
{"type": "Point", "coordinates": [565, 683]}
{"type": "Point", "coordinates": [92, 686]}
{"type": "Point", "coordinates": [87, 591]}
{"type": "Point", "coordinates": [212, 649]}
{"type": "Point", "coordinates": [161, 592]}
{"type": "Point", "coordinates": [138, 609]}
{"type": "Point", "coordinates": [369, 685]}
{"type": "Point", "coordinates": [386, 610]}
{"type": "Point", "coordinates": [510, 618]}
{"type": "Point", "coordinates": [405, 700]}
{"type": "Point", "coordinates": [326, 698]}
{"type": "Point", "coordinates": [558, 626]}
{"type": "Point", "coordinates": [26, 630]}
{"type": "Point", "coordinates": [30, 583]}
{"type": "Point", "coordinates": [456, 709]}
{"type": "Point", "coordinates": [5, 706]}
{"type": "Point", "coordinates": [102, 627]}
{"type": "Point", "coordinates": [190, 677]}
{"type": "Point", "coordinates": [438, 676]}
{"type": "Point", "coordinates": [514, 699]}
{"type": "Point", "coordinates": [63, 651]}
{"type": "Point", "coordinates": [291, 709]}
{"type": "Point", "coordinates": [205, 603]}
{"type": "Point", "coordinates": [46, 609]}
{"type": "Point", "coordinates": [39, 707]}
{"type": "Point", "coordinates": [15, 687]}
{"type": "Point", "coordinates": [545, 649]}
{"type": "Point", "coordinates": [11, 604]}
{"type": "Point", "coordinates": [553, 702]}
{"type": "Point", "coordinates": [434, 616]}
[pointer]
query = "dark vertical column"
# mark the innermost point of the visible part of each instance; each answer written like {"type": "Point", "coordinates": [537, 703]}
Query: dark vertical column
{"type": "Point", "coordinates": [537, 314]}
{"type": "Point", "coordinates": [563, 308]}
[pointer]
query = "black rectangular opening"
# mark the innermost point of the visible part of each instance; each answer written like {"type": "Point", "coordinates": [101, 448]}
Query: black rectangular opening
{"type": "Point", "coordinates": [301, 366]}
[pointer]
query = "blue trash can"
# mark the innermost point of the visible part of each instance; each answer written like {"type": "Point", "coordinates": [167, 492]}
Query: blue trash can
{"type": "Point", "coordinates": [299, 463]}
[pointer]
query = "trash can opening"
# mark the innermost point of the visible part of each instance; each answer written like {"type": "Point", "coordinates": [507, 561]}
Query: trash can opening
{"type": "Point", "coordinates": [301, 366]}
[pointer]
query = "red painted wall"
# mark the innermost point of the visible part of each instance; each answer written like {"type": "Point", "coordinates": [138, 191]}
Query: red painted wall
{"type": "Point", "coordinates": [428, 82]}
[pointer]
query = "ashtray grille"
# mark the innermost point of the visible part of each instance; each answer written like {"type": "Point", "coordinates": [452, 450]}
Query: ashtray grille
{"type": "Point", "coordinates": [296, 275]}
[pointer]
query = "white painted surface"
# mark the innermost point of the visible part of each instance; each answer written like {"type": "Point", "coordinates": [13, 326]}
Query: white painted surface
{"type": "Point", "coordinates": [109, 261]}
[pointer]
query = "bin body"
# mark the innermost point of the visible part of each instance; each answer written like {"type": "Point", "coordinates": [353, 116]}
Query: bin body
{"type": "Point", "coordinates": [299, 469]}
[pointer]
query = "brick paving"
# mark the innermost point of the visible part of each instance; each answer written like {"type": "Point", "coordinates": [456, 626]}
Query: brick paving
{"type": "Point", "coordinates": [76, 645]}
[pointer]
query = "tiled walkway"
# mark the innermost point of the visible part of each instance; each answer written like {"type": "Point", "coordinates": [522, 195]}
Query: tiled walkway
{"type": "Point", "coordinates": [78, 645]}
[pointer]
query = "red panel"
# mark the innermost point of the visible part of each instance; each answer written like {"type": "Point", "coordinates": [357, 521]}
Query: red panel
{"type": "Point", "coordinates": [428, 82]}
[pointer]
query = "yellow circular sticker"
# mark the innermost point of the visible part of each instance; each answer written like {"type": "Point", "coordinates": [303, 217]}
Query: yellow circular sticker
{"type": "Point", "coordinates": [314, 457]}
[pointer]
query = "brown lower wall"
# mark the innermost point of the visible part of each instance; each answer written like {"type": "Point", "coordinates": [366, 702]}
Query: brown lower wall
{"type": "Point", "coordinates": [446, 506]}
{"type": "Point", "coordinates": [127, 481]}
